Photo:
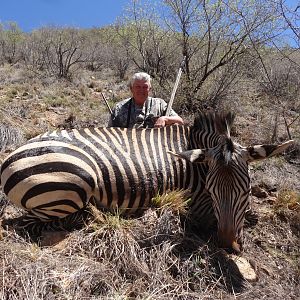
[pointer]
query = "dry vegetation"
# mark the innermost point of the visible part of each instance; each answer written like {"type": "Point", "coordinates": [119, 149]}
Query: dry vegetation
{"type": "Point", "coordinates": [153, 256]}
{"type": "Point", "coordinates": [149, 258]}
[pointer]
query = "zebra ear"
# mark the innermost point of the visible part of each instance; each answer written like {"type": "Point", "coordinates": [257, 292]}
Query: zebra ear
{"type": "Point", "coordinates": [194, 156]}
{"type": "Point", "coordinates": [259, 152]}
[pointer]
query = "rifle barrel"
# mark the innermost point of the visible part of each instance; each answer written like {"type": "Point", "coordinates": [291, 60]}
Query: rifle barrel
{"type": "Point", "coordinates": [170, 104]}
{"type": "Point", "coordinates": [106, 103]}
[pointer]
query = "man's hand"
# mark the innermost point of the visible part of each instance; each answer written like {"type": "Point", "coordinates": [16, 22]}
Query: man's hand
{"type": "Point", "coordinates": [163, 121]}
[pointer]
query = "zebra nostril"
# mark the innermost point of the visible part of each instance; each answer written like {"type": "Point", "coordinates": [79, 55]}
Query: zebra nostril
{"type": "Point", "coordinates": [231, 247]}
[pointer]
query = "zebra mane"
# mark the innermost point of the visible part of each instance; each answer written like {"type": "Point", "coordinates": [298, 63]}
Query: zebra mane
{"type": "Point", "coordinates": [218, 124]}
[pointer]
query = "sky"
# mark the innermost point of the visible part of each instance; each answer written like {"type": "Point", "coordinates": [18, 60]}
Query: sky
{"type": "Point", "coordinates": [33, 14]}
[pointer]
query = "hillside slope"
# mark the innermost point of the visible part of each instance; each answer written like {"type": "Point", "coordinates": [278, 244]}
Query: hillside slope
{"type": "Point", "coordinates": [149, 257]}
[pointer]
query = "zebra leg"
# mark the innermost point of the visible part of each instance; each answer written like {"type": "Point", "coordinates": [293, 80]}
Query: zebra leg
{"type": "Point", "coordinates": [201, 214]}
{"type": "Point", "coordinates": [33, 225]}
{"type": "Point", "coordinates": [54, 216]}
{"type": "Point", "coordinates": [26, 225]}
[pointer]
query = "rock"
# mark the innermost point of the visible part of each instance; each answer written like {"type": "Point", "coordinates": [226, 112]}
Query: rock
{"type": "Point", "coordinates": [259, 192]}
{"type": "Point", "coordinates": [245, 268]}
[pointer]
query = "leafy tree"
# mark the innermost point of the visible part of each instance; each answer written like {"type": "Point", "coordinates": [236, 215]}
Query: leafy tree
{"type": "Point", "coordinates": [11, 40]}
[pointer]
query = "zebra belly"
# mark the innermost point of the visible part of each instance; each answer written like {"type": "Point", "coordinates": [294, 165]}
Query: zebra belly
{"type": "Point", "coordinates": [50, 183]}
{"type": "Point", "coordinates": [60, 172]}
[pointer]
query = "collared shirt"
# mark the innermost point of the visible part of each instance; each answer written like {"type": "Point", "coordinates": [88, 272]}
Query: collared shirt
{"type": "Point", "coordinates": [127, 114]}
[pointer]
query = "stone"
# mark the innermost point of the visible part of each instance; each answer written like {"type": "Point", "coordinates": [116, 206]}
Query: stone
{"type": "Point", "coordinates": [259, 192]}
{"type": "Point", "coordinates": [245, 268]}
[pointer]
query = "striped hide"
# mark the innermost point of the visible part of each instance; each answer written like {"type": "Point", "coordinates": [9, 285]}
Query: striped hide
{"type": "Point", "coordinates": [58, 173]}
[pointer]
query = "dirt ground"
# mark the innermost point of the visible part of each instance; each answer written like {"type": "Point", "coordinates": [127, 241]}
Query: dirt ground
{"type": "Point", "coordinates": [151, 257]}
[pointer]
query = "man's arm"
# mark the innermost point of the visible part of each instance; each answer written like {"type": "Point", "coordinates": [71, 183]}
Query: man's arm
{"type": "Point", "coordinates": [163, 121]}
{"type": "Point", "coordinates": [173, 118]}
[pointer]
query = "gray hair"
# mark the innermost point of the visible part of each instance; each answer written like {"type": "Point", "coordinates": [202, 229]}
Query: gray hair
{"type": "Point", "coordinates": [140, 76]}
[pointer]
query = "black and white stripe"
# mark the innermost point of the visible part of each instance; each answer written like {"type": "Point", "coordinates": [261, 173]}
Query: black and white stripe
{"type": "Point", "coordinates": [56, 174]}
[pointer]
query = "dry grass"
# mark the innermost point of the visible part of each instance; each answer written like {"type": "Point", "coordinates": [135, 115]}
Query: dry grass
{"type": "Point", "coordinates": [151, 257]}
{"type": "Point", "coordinates": [109, 262]}
{"type": "Point", "coordinates": [288, 200]}
{"type": "Point", "coordinates": [177, 201]}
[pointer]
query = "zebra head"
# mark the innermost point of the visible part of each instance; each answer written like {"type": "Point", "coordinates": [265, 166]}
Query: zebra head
{"type": "Point", "coordinates": [227, 179]}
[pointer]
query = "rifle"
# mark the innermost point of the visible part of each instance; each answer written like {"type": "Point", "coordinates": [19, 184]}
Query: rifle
{"type": "Point", "coordinates": [169, 107]}
{"type": "Point", "coordinates": [106, 103]}
{"type": "Point", "coordinates": [150, 120]}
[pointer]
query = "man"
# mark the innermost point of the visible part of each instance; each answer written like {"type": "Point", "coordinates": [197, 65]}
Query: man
{"type": "Point", "coordinates": [142, 111]}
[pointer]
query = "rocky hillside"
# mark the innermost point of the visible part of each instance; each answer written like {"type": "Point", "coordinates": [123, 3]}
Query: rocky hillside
{"type": "Point", "coordinates": [150, 257]}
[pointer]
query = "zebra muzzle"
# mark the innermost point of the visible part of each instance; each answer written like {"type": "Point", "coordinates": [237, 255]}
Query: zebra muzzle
{"type": "Point", "coordinates": [227, 240]}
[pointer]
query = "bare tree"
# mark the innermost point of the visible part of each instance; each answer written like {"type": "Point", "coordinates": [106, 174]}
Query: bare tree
{"type": "Point", "coordinates": [279, 84]}
{"type": "Point", "coordinates": [33, 51]}
{"type": "Point", "coordinates": [215, 35]}
{"type": "Point", "coordinates": [212, 36]}
{"type": "Point", "coordinates": [150, 46]}
{"type": "Point", "coordinates": [56, 51]}
{"type": "Point", "coordinates": [97, 48]}
{"type": "Point", "coordinates": [291, 17]}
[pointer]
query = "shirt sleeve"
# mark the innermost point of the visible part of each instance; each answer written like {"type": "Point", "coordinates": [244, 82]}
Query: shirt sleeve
{"type": "Point", "coordinates": [164, 106]}
{"type": "Point", "coordinates": [119, 114]}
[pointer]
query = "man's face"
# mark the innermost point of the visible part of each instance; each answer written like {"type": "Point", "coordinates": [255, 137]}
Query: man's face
{"type": "Point", "coordinates": [140, 91]}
